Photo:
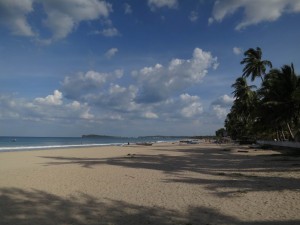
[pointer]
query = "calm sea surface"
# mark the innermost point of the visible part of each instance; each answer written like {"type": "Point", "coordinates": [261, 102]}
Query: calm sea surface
{"type": "Point", "coordinates": [31, 143]}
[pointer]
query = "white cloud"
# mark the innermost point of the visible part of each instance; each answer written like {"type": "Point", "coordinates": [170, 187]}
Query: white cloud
{"type": "Point", "coordinates": [152, 93]}
{"type": "Point", "coordinates": [55, 99]}
{"type": "Point", "coordinates": [122, 98]}
{"type": "Point", "coordinates": [184, 106]}
{"type": "Point", "coordinates": [74, 105]}
{"type": "Point", "coordinates": [220, 111]}
{"type": "Point", "coordinates": [159, 82]}
{"type": "Point", "coordinates": [193, 108]}
{"type": "Point", "coordinates": [224, 100]}
{"type": "Point", "coordinates": [13, 15]}
{"type": "Point", "coordinates": [162, 3]}
{"type": "Point", "coordinates": [193, 16]}
{"type": "Point", "coordinates": [237, 50]}
{"type": "Point", "coordinates": [87, 115]}
{"type": "Point", "coordinates": [160, 118]}
{"type": "Point", "coordinates": [51, 108]}
{"type": "Point", "coordinates": [111, 52]}
{"type": "Point", "coordinates": [76, 86]}
{"type": "Point", "coordinates": [81, 111]}
{"type": "Point", "coordinates": [115, 98]}
{"type": "Point", "coordinates": [127, 8]}
{"type": "Point", "coordinates": [150, 115]}
{"type": "Point", "coordinates": [109, 32]}
{"type": "Point", "coordinates": [255, 11]}
{"type": "Point", "coordinates": [155, 95]}
{"type": "Point", "coordinates": [62, 16]}
{"type": "Point", "coordinates": [227, 99]}
{"type": "Point", "coordinates": [222, 105]}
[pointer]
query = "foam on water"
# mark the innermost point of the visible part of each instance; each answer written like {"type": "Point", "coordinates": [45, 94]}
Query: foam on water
{"type": "Point", "coordinates": [36, 143]}
{"type": "Point", "coordinates": [24, 148]}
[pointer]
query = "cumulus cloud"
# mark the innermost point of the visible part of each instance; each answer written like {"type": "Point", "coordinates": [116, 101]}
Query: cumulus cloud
{"type": "Point", "coordinates": [55, 99]}
{"type": "Point", "coordinates": [237, 50]}
{"type": "Point", "coordinates": [101, 91]}
{"type": "Point", "coordinates": [76, 86]}
{"type": "Point", "coordinates": [220, 111]}
{"type": "Point", "coordinates": [184, 106]}
{"type": "Point", "coordinates": [155, 92]}
{"type": "Point", "coordinates": [155, 95]}
{"type": "Point", "coordinates": [60, 111]}
{"type": "Point", "coordinates": [62, 16]}
{"type": "Point", "coordinates": [168, 117]}
{"type": "Point", "coordinates": [224, 100]}
{"type": "Point", "coordinates": [255, 11]}
{"type": "Point", "coordinates": [100, 97]}
{"type": "Point", "coordinates": [50, 108]}
{"type": "Point", "coordinates": [111, 52]}
{"type": "Point", "coordinates": [193, 108]}
{"type": "Point", "coordinates": [222, 105]}
{"type": "Point", "coordinates": [115, 98]}
{"type": "Point", "coordinates": [153, 4]}
{"type": "Point", "coordinates": [159, 82]}
{"type": "Point", "coordinates": [150, 115]}
{"type": "Point", "coordinates": [13, 15]}
{"type": "Point", "coordinates": [121, 102]}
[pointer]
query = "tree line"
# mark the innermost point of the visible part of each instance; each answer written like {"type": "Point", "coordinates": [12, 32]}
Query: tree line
{"type": "Point", "coordinates": [270, 111]}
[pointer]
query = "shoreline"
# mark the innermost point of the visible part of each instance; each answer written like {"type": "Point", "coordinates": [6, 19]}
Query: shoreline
{"type": "Point", "coordinates": [54, 147]}
{"type": "Point", "coordinates": [65, 147]}
{"type": "Point", "coordinates": [32, 146]}
{"type": "Point", "coordinates": [162, 184]}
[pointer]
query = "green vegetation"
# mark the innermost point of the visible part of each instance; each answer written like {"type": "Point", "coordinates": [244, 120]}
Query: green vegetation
{"type": "Point", "coordinates": [270, 111]}
{"type": "Point", "coordinates": [220, 133]}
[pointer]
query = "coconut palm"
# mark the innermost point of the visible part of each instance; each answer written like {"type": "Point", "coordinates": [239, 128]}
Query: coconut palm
{"type": "Point", "coordinates": [242, 89]}
{"type": "Point", "coordinates": [241, 117]}
{"type": "Point", "coordinates": [254, 65]}
{"type": "Point", "coordinates": [279, 96]}
{"type": "Point", "coordinates": [244, 95]}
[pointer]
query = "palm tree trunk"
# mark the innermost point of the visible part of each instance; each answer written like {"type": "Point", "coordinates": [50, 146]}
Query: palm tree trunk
{"type": "Point", "coordinates": [278, 137]}
{"type": "Point", "coordinates": [291, 133]}
{"type": "Point", "coordinates": [282, 134]}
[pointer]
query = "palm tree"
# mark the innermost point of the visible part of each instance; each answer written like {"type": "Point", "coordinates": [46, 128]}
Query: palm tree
{"type": "Point", "coordinates": [255, 66]}
{"type": "Point", "coordinates": [245, 96]}
{"type": "Point", "coordinates": [280, 96]}
{"type": "Point", "coordinates": [241, 117]}
{"type": "Point", "coordinates": [242, 89]}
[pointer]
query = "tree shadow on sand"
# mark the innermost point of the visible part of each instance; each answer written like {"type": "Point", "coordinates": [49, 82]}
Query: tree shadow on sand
{"type": "Point", "coordinates": [235, 172]}
{"type": "Point", "coordinates": [20, 207]}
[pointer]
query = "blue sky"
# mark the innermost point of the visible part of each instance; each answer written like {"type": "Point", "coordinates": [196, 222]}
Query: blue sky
{"type": "Point", "coordinates": [130, 68]}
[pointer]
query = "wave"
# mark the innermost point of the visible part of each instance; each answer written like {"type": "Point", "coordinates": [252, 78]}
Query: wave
{"type": "Point", "coordinates": [24, 148]}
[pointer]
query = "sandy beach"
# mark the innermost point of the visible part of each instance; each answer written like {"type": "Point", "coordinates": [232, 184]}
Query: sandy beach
{"type": "Point", "coordinates": [170, 183]}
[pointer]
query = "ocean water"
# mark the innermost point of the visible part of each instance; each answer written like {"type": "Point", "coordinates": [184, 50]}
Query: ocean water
{"type": "Point", "coordinates": [32, 143]}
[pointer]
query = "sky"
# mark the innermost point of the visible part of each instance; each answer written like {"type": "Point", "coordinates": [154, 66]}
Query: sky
{"type": "Point", "coordinates": [133, 67]}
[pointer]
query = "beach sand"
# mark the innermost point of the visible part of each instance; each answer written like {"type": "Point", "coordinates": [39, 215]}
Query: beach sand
{"type": "Point", "coordinates": [166, 183]}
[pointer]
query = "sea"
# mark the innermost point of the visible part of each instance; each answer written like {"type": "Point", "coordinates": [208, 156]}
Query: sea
{"type": "Point", "coordinates": [38, 143]}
